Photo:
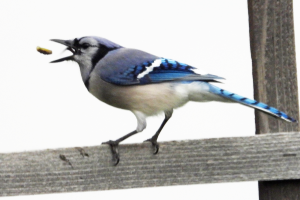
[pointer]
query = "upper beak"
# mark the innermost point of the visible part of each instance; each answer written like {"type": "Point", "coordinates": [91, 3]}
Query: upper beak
{"type": "Point", "coordinates": [69, 44]}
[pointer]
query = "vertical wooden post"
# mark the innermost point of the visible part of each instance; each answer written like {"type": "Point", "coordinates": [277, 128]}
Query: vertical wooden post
{"type": "Point", "coordinates": [275, 77]}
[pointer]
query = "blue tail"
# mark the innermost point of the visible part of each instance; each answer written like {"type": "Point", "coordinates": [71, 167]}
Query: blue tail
{"type": "Point", "coordinates": [251, 103]}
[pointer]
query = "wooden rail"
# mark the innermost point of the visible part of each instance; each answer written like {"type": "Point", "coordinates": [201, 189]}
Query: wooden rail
{"type": "Point", "coordinates": [262, 157]}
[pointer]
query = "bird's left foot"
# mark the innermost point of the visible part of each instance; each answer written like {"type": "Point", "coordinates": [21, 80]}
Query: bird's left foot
{"type": "Point", "coordinates": [114, 150]}
{"type": "Point", "coordinates": [155, 145]}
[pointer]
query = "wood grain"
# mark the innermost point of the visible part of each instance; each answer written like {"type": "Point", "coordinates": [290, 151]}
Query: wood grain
{"type": "Point", "coordinates": [274, 63]}
{"type": "Point", "coordinates": [263, 157]}
{"type": "Point", "coordinates": [275, 77]}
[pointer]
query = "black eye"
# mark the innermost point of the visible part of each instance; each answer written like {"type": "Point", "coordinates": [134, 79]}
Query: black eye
{"type": "Point", "coordinates": [85, 46]}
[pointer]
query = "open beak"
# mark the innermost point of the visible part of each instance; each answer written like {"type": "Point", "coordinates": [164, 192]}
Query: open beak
{"type": "Point", "coordinates": [70, 47]}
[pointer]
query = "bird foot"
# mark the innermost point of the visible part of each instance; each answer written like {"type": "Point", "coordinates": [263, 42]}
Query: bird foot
{"type": "Point", "coordinates": [155, 145]}
{"type": "Point", "coordinates": [114, 150]}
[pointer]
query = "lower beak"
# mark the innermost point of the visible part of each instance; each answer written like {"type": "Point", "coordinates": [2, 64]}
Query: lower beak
{"type": "Point", "coordinates": [63, 59]}
{"type": "Point", "coordinates": [69, 44]}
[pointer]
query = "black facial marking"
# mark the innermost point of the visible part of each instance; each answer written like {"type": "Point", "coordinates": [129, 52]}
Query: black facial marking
{"type": "Point", "coordinates": [76, 42]}
{"type": "Point", "coordinates": [87, 83]}
{"type": "Point", "coordinates": [85, 45]}
{"type": "Point", "coordinates": [101, 52]}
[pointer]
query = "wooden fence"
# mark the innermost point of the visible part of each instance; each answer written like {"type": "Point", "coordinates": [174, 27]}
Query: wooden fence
{"type": "Point", "coordinates": [266, 157]}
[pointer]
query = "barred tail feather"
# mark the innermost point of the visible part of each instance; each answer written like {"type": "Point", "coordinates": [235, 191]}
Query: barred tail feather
{"type": "Point", "coordinates": [251, 103]}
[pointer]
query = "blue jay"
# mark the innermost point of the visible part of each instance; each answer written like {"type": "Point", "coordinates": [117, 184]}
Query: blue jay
{"type": "Point", "coordinates": [145, 84]}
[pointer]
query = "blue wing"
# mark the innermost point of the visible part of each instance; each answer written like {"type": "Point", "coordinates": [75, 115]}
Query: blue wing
{"type": "Point", "coordinates": [159, 70]}
{"type": "Point", "coordinates": [130, 70]}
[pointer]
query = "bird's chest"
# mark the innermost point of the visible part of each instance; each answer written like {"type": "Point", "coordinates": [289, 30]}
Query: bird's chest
{"type": "Point", "coordinates": [104, 91]}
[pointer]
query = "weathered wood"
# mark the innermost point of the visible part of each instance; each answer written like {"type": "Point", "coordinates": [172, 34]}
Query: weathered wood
{"type": "Point", "coordinates": [263, 157]}
{"type": "Point", "coordinates": [274, 63]}
{"type": "Point", "coordinates": [275, 76]}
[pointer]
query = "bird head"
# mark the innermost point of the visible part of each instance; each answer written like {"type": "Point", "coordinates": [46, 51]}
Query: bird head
{"type": "Point", "coordinates": [86, 50]}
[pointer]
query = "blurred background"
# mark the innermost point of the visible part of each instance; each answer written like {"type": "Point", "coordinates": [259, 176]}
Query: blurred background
{"type": "Point", "coordinates": [45, 106]}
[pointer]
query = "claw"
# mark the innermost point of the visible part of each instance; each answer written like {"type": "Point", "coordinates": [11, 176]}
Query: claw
{"type": "Point", "coordinates": [117, 160]}
{"type": "Point", "coordinates": [114, 150]}
{"type": "Point", "coordinates": [154, 144]}
{"type": "Point", "coordinates": [156, 149]}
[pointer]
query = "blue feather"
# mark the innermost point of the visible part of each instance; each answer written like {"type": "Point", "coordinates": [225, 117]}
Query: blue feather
{"type": "Point", "coordinates": [168, 70]}
{"type": "Point", "coordinates": [251, 103]}
{"type": "Point", "coordinates": [145, 72]}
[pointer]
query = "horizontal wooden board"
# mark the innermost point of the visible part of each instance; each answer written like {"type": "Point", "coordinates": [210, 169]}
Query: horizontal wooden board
{"type": "Point", "coordinates": [262, 157]}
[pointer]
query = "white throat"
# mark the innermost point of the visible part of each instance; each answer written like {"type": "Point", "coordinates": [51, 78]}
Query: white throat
{"type": "Point", "coordinates": [85, 69]}
{"type": "Point", "coordinates": [85, 62]}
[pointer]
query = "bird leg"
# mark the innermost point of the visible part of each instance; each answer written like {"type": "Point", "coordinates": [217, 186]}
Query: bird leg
{"type": "Point", "coordinates": [115, 144]}
{"type": "Point", "coordinates": [153, 140]}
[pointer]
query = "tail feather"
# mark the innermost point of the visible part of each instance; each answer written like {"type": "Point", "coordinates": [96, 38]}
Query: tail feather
{"type": "Point", "coordinates": [251, 103]}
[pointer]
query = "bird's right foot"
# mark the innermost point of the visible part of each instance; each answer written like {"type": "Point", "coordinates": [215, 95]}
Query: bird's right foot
{"type": "Point", "coordinates": [154, 143]}
{"type": "Point", "coordinates": [114, 150]}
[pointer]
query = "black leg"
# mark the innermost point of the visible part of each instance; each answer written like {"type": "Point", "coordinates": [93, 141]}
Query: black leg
{"type": "Point", "coordinates": [153, 140]}
{"type": "Point", "coordinates": [114, 146]}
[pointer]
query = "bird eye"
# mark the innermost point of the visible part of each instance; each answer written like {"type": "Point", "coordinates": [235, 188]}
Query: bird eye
{"type": "Point", "coordinates": [85, 46]}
